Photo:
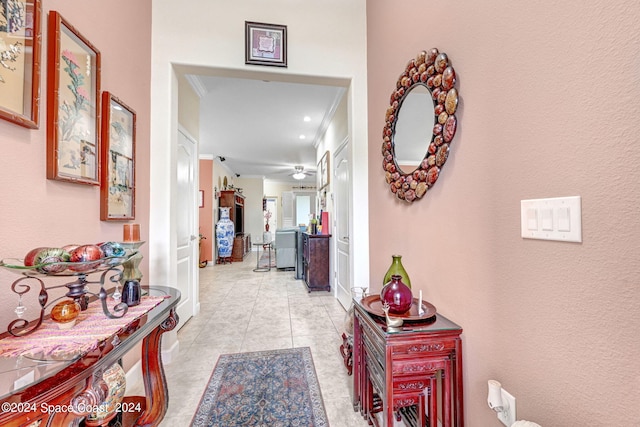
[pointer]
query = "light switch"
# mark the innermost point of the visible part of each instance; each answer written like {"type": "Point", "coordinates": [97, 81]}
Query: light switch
{"type": "Point", "coordinates": [558, 218]}
{"type": "Point", "coordinates": [532, 219]}
{"type": "Point", "coordinates": [564, 219]}
{"type": "Point", "coordinates": [547, 219]}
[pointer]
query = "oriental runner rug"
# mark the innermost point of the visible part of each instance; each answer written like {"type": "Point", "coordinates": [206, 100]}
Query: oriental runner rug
{"type": "Point", "coordinates": [276, 388]}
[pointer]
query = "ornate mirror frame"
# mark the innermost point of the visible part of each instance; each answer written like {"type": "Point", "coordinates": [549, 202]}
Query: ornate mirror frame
{"type": "Point", "coordinates": [433, 70]}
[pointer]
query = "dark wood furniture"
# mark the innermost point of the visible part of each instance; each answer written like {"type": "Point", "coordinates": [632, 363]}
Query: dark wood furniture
{"type": "Point", "coordinates": [401, 373]}
{"type": "Point", "coordinates": [56, 392]}
{"type": "Point", "coordinates": [241, 247]}
{"type": "Point", "coordinates": [315, 261]}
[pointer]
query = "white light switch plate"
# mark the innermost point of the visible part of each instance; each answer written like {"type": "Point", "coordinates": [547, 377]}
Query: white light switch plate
{"type": "Point", "coordinates": [558, 218]}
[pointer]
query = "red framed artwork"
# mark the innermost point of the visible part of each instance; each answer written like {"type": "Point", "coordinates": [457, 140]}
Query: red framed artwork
{"type": "Point", "coordinates": [117, 183]}
{"type": "Point", "coordinates": [73, 105]}
{"type": "Point", "coordinates": [20, 41]}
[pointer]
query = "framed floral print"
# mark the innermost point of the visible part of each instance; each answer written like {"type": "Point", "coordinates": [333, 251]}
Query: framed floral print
{"type": "Point", "coordinates": [73, 105]}
{"type": "Point", "coordinates": [117, 184]}
{"type": "Point", "coordinates": [20, 61]}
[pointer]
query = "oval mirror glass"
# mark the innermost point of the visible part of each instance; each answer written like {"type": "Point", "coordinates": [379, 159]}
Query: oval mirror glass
{"type": "Point", "coordinates": [414, 127]}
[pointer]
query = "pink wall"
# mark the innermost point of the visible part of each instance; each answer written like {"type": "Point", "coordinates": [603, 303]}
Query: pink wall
{"type": "Point", "coordinates": [35, 211]}
{"type": "Point", "coordinates": [549, 107]}
{"type": "Point", "coordinates": [206, 213]}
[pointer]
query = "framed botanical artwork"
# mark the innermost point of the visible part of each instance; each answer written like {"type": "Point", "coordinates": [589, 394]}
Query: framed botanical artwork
{"type": "Point", "coordinates": [323, 171]}
{"type": "Point", "coordinates": [20, 61]}
{"type": "Point", "coordinates": [117, 184]}
{"type": "Point", "coordinates": [265, 44]}
{"type": "Point", "coordinates": [73, 105]}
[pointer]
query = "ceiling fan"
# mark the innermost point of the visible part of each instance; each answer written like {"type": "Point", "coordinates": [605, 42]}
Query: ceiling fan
{"type": "Point", "coordinates": [299, 173]}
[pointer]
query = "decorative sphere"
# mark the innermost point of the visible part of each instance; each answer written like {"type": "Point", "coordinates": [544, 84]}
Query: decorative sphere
{"type": "Point", "coordinates": [83, 255]}
{"type": "Point", "coordinates": [65, 313]}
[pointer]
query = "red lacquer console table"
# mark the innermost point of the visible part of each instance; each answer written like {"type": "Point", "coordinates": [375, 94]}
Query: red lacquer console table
{"type": "Point", "coordinates": [401, 373]}
{"type": "Point", "coordinates": [55, 392]}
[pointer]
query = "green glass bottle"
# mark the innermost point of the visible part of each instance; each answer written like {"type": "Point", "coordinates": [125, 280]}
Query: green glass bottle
{"type": "Point", "coordinates": [397, 268]}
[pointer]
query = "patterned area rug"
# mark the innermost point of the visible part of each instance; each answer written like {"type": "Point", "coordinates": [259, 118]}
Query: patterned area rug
{"type": "Point", "coordinates": [276, 388]}
{"type": "Point", "coordinates": [264, 259]}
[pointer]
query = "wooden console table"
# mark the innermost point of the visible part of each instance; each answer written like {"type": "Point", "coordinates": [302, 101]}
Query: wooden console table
{"type": "Point", "coordinates": [397, 373]}
{"type": "Point", "coordinates": [55, 392]}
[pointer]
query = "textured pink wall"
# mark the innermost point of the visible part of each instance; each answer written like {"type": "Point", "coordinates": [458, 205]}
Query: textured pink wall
{"type": "Point", "coordinates": [206, 213]}
{"type": "Point", "coordinates": [35, 211]}
{"type": "Point", "coordinates": [549, 107]}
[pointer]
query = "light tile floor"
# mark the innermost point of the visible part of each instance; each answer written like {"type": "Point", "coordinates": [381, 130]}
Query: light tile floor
{"type": "Point", "coordinates": [242, 310]}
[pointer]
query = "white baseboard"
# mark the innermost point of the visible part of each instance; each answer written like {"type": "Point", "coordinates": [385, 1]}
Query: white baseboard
{"type": "Point", "coordinates": [171, 353]}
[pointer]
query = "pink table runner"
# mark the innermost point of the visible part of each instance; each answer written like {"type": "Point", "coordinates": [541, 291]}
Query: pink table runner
{"type": "Point", "coordinates": [92, 327]}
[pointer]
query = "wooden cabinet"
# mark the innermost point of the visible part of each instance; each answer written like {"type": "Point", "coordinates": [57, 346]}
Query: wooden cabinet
{"type": "Point", "coordinates": [58, 392]}
{"type": "Point", "coordinates": [401, 373]}
{"type": "Point", "coordinates": [315, 261]}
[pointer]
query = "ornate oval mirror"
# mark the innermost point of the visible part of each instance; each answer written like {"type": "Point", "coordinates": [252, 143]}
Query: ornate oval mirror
{"type": "Point", "coordinates": [420, 124]}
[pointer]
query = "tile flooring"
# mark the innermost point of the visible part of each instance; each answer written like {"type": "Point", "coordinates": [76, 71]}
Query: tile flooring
{"type": "Point", "coordinates": [242, 310]}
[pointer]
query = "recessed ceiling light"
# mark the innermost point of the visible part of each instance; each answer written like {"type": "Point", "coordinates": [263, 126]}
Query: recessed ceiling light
{"type": "Point", "coordinates": [302, 137]}
{"type": "Point", "coordinates": [307, 118]}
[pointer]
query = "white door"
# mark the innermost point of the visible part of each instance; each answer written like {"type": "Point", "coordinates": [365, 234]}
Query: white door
{"type": "Point", "coordinates": [187, 220]}
{"type": "Point", "coordinates": [341, 230]}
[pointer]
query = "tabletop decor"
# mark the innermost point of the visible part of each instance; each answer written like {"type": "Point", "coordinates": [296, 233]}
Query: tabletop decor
{"type": "Point", "coordinates": [265, 44]}
{"type": "Point", "coordinates": [396, 295]}
{"type": "Point", "coordinates": [263, 388]}
{"type": "Point", "coordinates": [20, 59]}
{"type": "Point", "coordinates": [396, 267]}
{"type": "Point", "coordinates": [73, 105]}
{"type": "Point", "coordinates": [117, 183]}
{"type": "Point", "coordinates": [91, 328]}
{"type": "Point", "coordinates": [77, 261]}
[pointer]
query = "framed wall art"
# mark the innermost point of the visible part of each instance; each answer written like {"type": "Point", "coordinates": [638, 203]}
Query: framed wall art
{"type": "Point", "coordinates": [73, 105]}
{"type": "Point", "coordinates": [323, 171]}
{"type": "Point", "coordinates": [20, 61]}
{"type": "Point", "coordinates": [201, 198]}
{"type": "Point", "coordinates": [265, 44]}
{"type": "Point", "coordinates": [117, 187]}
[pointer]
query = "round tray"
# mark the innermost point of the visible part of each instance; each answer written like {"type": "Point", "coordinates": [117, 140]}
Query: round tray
{"type": "Point", "coordinates": [66, 268]}
{"type": "Point", "coordinates": [373, 304]}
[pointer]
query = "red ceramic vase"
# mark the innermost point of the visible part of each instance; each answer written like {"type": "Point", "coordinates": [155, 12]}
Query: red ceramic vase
{"type": "Point", "coordinates": [397, 295]}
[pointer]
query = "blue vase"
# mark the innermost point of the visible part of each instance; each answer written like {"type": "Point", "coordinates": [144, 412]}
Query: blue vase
{"type": "Point", "coordinates": [225, 232]}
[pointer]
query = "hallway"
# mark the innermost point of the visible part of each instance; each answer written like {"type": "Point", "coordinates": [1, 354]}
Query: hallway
{"type": "Point", "coordinates": [241, 311]}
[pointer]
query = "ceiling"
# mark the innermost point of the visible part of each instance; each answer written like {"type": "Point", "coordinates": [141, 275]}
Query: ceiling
{"type": "Point", "coordinates": [255, 125]}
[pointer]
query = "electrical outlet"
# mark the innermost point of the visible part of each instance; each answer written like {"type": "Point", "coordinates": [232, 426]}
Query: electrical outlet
{"type": "Point", "coordinates": [508, 415]}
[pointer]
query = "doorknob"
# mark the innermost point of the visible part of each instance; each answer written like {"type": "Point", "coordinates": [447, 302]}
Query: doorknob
{"type": "Point", "coordinates": [345, 238]}
{"type": "Point", "coordinates": [193, 237]}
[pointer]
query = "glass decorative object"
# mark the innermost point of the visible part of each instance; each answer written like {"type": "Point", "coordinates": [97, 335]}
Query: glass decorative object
{"type": "Point", "coordinates": [397, 268]}
{"type": "Point", "coordinates": [397, 295]}
{"type": "Point", "coordinates": [65, 313]}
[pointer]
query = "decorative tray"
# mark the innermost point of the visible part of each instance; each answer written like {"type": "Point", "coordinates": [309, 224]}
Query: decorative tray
{"type": "Point", "coordinates": [373, 304]}
{"type": "Point", "coordinates": [65, 268]}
